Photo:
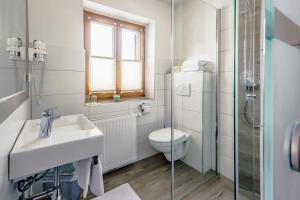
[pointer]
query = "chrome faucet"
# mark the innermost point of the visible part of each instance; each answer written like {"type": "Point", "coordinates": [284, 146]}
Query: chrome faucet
{"type": "Point", "coordinates": [47, 120]}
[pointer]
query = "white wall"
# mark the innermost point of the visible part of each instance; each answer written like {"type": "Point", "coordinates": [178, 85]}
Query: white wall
{"type": "Point", "coordinates": [12, 24]}
{"type": "Point", "coordinates": [285, 67]}
{"type": "Point", "coordinates": [203, 47]}
{"type": "Point", "coordinates": [226, 115]}
{"type": "Point", "coordinates": [160, 13]}
{"type": "Point", "coordinates": [193, 114]}
{"type": "Point", "coordinates": [61, 27]}
{"type": "Point", "coordinates": [9, 131]}
{"type": "Point", "coordinates": [195, 37]}
{"type": "Point", "coordinates": [61, 81]}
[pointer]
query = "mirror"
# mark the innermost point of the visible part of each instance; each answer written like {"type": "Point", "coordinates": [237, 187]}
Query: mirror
{"type": "Point", "coordinates": [13, 35]}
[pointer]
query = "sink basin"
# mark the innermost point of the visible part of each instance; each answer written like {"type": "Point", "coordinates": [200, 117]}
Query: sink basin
{"type": "Point", "coordinates": [72, 138]}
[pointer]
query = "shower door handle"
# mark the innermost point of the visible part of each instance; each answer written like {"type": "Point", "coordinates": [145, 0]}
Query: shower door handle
{"type": "Point", "coordinates": [295, 146]}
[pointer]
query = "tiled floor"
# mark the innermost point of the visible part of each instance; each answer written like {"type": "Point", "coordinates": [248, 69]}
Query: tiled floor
{"type": "Point", "coordinates": [150, 178]}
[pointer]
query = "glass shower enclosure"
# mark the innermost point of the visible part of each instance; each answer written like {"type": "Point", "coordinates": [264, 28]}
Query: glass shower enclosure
{"type": "Point", "coordinates": [191, 94]}
{"type": "Point", "coordinates": [248, 98]}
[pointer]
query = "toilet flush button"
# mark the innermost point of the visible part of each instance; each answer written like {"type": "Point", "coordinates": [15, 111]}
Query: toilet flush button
{"type": "Point", "coordinates": [183, 90]}
{"type": "Point", "coordinates": [295, 147]}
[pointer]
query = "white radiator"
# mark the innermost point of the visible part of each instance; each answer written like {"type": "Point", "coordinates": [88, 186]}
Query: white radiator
{"type": "Point", "coordinates": [120, 141]}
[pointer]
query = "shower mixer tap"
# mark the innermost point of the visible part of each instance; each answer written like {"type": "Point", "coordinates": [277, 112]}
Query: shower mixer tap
{"type": "Point", "coordinates": [250, 96]}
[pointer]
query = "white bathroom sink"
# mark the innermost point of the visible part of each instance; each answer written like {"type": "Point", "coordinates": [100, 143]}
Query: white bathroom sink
{"type": "Point", "coordinates": [72, 138]}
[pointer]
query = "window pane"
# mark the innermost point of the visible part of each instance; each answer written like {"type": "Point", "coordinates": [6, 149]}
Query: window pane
{"type": "Point", "coordinates": [102, 74]}
{"type": "Point", "coordinates": [131, 43]}
{"type": "Point", "coordinates": [102, 40]}
{"type": "Point", "coordinates": [132, 75]}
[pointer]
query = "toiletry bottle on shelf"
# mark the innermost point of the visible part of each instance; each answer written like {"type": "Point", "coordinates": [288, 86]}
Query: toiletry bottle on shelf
{"type": "Point", "coordinates": [117, 98]}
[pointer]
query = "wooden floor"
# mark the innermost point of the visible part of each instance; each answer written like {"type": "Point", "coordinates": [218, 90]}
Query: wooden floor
{"type": "Point", "coordinates": [217, 188]}
{"type": "Point", "coordinates": [151, 180]}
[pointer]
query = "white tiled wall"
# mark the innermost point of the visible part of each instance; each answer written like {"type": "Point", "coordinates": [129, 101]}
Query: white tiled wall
{"type": "Point", "coordinates": [65, 65]}
{"type": "Point", "coordinates": [60, 82]}
{"type": "Point", "coordinates": [195, 37]}
{"type": "Point", "coordinates": [193, 114]}
{"type": "Point", "coordinates": [160, 13]}
{"type": "Point", "coordinates": [226, 115]}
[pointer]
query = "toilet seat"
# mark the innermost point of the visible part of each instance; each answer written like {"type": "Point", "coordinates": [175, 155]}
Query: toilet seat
{"type": "Point", "coordinates": [161, 141]}
{"type": "Point", "coordinates": [163, 136]}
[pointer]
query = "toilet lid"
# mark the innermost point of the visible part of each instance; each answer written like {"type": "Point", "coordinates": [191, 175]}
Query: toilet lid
{"type": "Point", "coordinates": [164, 135]}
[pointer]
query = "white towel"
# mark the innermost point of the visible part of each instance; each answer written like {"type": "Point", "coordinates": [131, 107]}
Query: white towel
{"type": "Point", "coordinates": [194, 62]}
{"type": "Point", "coordinates": [194, 65]}
{"type": "Point", "coordinates": [88, 173]}
{"type": "Point", "coordinates": [83, 174]}
{"type": "Point", "coordinates": [96, 183]}
{"type": "Point", "coordinates": [192, 69]}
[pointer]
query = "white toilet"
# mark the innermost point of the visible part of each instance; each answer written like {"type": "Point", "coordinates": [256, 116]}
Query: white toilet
{"type": "Point", "coordinates": [161, 141]}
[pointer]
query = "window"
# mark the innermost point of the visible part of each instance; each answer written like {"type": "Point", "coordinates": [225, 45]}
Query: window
{"type": "Point", "coordinates": [115, 57]}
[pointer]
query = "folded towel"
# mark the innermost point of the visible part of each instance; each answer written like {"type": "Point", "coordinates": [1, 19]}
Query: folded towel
{"type": "Point", "coordinates": [194, 65]}
{"type": "Point", "coordinates": [193, 69]}
{"type": "Point", "coordinates": [88, 172]}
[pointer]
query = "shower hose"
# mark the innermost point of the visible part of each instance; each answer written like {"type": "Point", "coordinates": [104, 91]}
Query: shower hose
{"type": "Point", "coordinates": [247, 116]}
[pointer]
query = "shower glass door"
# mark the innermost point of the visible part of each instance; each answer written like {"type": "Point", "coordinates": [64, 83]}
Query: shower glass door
{"type": "Point", "coordinates": [194, 89]}
{"type": "Point", "coordinates": [281, 97]}
{"type": "Point", "coordinates": [248, 98]}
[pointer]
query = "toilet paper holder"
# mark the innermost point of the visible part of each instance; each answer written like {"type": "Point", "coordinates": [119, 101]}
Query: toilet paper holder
{"type": "Point", "coordinates": [143, 109]}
